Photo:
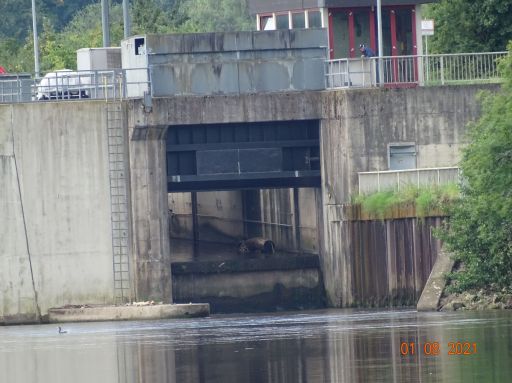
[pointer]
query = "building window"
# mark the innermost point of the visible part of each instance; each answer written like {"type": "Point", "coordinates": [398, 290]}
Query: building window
{"type": "Point", "coordinates": [298, 20]}
{"type": "Point", "coordinates": [267, 23]}
{"type": "Point", "coordinates": [314, 19]}
{"type": "Point", "coordinates": [402, 156]}
{"type": "Point", "coordinates": [282, 21]}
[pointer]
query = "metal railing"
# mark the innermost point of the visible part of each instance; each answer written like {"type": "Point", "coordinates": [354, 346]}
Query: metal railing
{"type": "Point", "coordinates": [371, 182]}
{"type": "Point", "coordinates": [347, 73]}
{"type": "Point", "coordinates": [111, 84]}
{"type": "Point", "coordinates": [422, 70]}
{"type": "Point", "coordinates": [461, 68]}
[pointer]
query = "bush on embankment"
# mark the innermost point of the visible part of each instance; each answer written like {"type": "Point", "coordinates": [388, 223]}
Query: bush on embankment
{"type": "Point", "coordinates": [480, 230]}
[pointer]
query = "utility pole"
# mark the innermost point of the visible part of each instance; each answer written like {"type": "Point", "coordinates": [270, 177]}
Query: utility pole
{"type": "Point", "coordinates": [105, 23]}
{"type": "Point", "coordinates": [36, 40]}
{"type": "Point", "coordinates": [379, 40]}
{"type": "Point", "coordinates": [126, 19]}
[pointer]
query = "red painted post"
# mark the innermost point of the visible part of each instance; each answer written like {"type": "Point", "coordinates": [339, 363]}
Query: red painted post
{"type": "Point", "coordinates": [351, 34]}
{"type": "Point", "coordinates": [394, 49]}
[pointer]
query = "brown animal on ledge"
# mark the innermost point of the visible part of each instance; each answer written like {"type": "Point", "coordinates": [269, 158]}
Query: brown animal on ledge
{"type": "Point", "coordinates": [256, 246]}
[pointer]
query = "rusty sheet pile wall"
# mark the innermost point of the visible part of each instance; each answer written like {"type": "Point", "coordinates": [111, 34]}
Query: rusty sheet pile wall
{"type": "Point", "coordinates": [390, 260]}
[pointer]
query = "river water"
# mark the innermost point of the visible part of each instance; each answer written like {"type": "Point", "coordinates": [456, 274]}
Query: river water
{"type": "Point", "coordinates": [314, 346]}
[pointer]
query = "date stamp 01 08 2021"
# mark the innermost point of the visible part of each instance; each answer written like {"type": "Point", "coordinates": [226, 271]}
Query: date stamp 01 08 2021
{"type": "Point", "coordinates": [436, 348]}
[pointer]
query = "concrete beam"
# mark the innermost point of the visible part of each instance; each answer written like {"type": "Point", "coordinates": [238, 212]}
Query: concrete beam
{"type": "Point", "coordinates": [436, 283]}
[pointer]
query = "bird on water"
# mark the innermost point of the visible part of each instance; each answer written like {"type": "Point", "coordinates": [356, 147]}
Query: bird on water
{"type": "Point", "coordinates": [61, 331]}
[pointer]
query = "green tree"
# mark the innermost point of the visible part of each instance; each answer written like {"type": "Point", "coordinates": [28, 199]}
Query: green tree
{"type": "Point", "coordinates": [61, 12]}
{"type": "Point", "coordinates": [151, 16]}
{"type": "Point", "coordinates": [480, 230]}
{"type": "Point", "coordinates": [58, 49]}
{"type": "Point", "coordinates": [16, 57]}
{"type": "Point", "coordinates": [470, 26]}
{"type": "Point", "coordinates": [16, 19]}
{"type": "Point", "coordinates": [213, 16]}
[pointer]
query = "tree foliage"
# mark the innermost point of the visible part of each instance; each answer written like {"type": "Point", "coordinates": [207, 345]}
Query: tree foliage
{"type": "Point", "coordinates": [213, 16]}
{"type": "Point", "coordinates": [470, 26]}
{"type": "Point", "coordinates": [480, 230]}
{"type": "Point", "coordinates": [17, 15]}
{"type": "Point", "coordinates": [58, 49]}
{"type": "Point", "coordinates": [65, 26]}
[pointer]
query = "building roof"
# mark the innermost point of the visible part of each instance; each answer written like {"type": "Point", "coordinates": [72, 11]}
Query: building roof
{"type": "Point", "coordinates": [266, 6]}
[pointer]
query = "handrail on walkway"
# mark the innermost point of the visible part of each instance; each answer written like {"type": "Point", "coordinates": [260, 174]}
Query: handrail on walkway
{"type": "Point", "coordinates": [110, 84]}
{"type": "Point", "coordinates": [392, 71]}
{"type": "Point", "coordinates": [380, 180]}
{"type": "Point", "coordinates": [417, 70]}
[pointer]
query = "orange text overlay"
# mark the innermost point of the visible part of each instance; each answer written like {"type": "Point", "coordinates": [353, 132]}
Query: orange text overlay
{"type": "Point", "coordinates": [437, 348]}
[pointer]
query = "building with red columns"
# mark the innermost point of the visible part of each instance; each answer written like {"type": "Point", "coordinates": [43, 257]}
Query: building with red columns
{"type": "Point", "coordinates": [349, 23]}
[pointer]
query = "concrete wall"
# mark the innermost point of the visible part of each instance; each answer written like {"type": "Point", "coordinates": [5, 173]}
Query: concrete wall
{"type": "Point", "coordinates": [55, 178]}
{"type": "Point", "coordinates": [229, 63]}
{"type": "Point", "coordinates": [359, 126]}
{"type": "Point", "coordinates": [355, 136]}
{"type": "Point", "coordinates": [220, 225]}
{"type": "Point", "coordinates": [356, 128]}
{"type": "Point", "coordinates": [223, 220]}
{"type": "Point", "coordinates": [151, 255]}
{"type": "Point", "coordinates": [55, 208]}
{"type": "Point", "coordinates": [248, 285]}
{"type": "Point", "coordinates": [290, 218]}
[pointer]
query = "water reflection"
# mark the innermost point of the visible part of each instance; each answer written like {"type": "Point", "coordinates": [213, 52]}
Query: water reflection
{"type": "Point", "coordinates": [323, 346]}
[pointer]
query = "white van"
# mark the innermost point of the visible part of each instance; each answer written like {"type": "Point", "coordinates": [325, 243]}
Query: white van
{"type": "Point", "coordinates": [64, 84]}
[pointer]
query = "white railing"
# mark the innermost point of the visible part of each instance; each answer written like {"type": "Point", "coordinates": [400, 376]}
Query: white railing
{"type": "Point", "coordinates": [346, 73]}
{"type": "Point", "coordinates": [371, 182]}
{"type": "Point", "coordinates": [71, 85]}
{"type": "Point", "coordinates": [442, 69]}
{"type": "Point", "coordinates": [461, 68]}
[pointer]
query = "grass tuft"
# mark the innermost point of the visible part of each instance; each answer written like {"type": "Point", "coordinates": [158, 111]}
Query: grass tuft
{"type": "Point", "coordinates": [425, 198]}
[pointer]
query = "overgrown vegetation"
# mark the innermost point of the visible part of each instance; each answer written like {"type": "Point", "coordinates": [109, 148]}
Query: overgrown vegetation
{"type": "Point", "coordinates": [425, 199]}
{"type": "Point", "coordinates": [470, 26]}
{"type": "Point", "coordinates": [67, 26]}
{"type": "Point", "coordinates": [480, 229]}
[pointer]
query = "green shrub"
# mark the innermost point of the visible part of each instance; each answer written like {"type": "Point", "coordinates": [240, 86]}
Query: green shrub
{"type": "Point", "coordinates": [425, 198]}
{"type": "Point", "coordinates": [480, 230]}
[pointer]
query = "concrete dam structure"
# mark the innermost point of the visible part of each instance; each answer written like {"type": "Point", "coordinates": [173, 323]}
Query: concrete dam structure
{"type": "Point", "coordinates": [87, 187]}
{"type": "Point", "coordinates": [68, 211]}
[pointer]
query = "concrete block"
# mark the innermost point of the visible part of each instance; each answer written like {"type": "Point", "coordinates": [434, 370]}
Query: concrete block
{"type": "Point", "coordinates": [130, 312]}
{"type": "Point", "coordinates": [307, 38]}
{"type": "Point", "coordinates": [244, 41]}
{"type": "Point", "coordinates": [214, 78]}
{"type": "Point", "coordinates": [166, 80]}
{"type": "Point", "coordinates": [429, 299]}
{"type": "Point", "coordinates": [271, 76]}
{"type": "Point", "coordinates": [308, 75]}
{"type": "Point", "coordinates": [165, 44]}
{"type": "Point", "coordinates": [279, 39]}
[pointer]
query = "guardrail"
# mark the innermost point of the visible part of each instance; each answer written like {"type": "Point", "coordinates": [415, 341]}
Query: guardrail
{"type": "Point", "coordinates": [371, 182]}
{"type": "Point", "coordinates": [71, 85]}
{"type": "Point", "coordinates": [422, 70]}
